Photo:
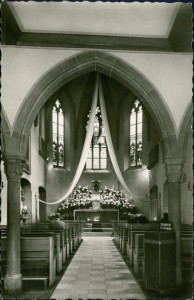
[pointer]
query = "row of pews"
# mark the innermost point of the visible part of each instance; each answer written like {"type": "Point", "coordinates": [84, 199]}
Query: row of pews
{"type": "Point", "coordinates": [44, 252]}
{"type": "Point", "coordinates": [130, 240]}
{"type": "Point", "coordinates": [187, 252]}
{"type": "Point", "coordinates": [136, 241]}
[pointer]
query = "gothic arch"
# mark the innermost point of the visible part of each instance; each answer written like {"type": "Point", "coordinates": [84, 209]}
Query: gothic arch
{"type": "Point", "coordinates": [5, 130]}
{"type": "Point", "coordinates": [185, 128]}
{"type": "Point", "coordinates": [83, 63]}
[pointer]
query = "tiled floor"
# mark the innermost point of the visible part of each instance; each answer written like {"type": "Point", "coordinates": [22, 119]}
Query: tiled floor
{"type": "Point", "coordinates": [97, 271]}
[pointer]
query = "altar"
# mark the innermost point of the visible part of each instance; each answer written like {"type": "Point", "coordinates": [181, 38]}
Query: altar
{"type": "Point", "coordinates": [96, 215]}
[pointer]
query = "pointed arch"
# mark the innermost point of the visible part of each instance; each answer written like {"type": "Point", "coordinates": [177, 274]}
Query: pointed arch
{"type": "Point", "coordinates": [110, 65]}
{"type": "Point", "coordinates": [5, 130]}
{"type": "Point", "coordinates": [185, 129]}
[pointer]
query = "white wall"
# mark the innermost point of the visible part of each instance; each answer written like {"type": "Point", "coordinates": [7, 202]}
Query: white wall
{"type": "Point", "coordinates": [157, 177]}
{"type": "Point", "coordinates": [37, 176]}
{"type": "Point", "coordinates": [170, 73]}
{"type": "Point", "coordinates": [21, 68]}
{"type": "Point", "coordinates": [3, 196]}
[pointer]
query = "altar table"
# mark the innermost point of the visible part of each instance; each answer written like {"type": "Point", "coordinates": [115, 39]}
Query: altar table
{"type": "Point", "coordinates": [100, 215]}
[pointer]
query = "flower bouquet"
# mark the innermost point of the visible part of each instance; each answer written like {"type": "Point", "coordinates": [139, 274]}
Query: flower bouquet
{"type": "Point", "coordinates": [80, 198]}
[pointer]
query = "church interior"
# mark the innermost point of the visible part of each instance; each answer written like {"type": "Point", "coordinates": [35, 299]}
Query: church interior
{"type": "Point", "coordinates": [96, 130]}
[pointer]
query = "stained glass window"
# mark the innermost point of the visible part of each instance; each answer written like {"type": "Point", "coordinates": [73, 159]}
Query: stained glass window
{"type": "Point", "coordinates": [136, 122]}
{"type": "Point", "coordinates": [97, 154]}
{"type": "Point", "coordinates": [58, 135]}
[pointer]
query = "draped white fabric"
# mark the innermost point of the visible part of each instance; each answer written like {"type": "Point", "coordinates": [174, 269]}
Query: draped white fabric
{"type": "Point", "coordinates": [86, 147]}
{"type": "Point", "coordinates": [109, 141]}
{"type": "Point", "coordinates": [89, 134]}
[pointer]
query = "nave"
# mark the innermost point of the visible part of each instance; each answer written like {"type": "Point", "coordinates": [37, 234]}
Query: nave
{"type": "Point", "coordinates": [97, 128]}
{"type": "Point", "coordinates": [97, 271]}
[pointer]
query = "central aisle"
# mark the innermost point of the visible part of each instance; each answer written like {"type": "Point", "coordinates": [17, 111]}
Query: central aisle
{"type": "Point", "coordinates": [97, 271]}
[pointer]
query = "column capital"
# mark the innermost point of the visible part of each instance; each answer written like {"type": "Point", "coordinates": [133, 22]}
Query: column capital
{"type": "Point", "coordinates": [13, 168]}
{"type": "Point", "coordinates": [173, 170]}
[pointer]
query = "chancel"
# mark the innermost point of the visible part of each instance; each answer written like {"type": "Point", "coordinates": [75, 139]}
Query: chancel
{"type": "Point", "coordinates": [96, 131]}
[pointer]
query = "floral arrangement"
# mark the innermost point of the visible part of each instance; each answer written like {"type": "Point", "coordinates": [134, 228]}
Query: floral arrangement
{"type": "Point", "coordinates": [109, 198]}
{"type": "Point", "coordinates": [80, 198]}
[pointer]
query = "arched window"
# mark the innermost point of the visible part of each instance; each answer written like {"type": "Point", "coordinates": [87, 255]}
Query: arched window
{"type": "Point", "coordinates": [136, 118]}
{"type": "Point", "coordinates": [97, 154]}
{"type": "Point", "coordinates": [58, 135]}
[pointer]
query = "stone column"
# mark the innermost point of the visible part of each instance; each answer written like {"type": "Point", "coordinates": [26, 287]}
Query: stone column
{"type": "Point", "coordinates": [173, 173]}
{"type": "Point", "coordinates": [13, 278]}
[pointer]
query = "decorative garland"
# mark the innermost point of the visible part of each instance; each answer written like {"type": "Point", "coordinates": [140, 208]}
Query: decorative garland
{"type": "Point", "coordinates": [81, 198]}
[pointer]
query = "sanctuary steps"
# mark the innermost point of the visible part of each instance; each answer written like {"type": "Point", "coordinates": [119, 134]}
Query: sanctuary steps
{"type": "Point", "coordinates": [97, 229]}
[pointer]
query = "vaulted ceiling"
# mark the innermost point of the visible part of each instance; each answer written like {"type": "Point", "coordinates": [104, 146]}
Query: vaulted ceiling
{"type": "Point", "coordinates": [106, 25]}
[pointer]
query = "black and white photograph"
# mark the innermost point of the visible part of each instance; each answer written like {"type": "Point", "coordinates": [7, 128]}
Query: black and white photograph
{"type": "Point", "coordinates": [96, 150]}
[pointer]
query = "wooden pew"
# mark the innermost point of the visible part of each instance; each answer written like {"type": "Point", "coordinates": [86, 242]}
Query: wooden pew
{"type": "Point", "coordinates": [57, 247]}
{"type": "Point", "coordinates": [64, 238]}
{"type": "Point", "coordinates": [72, 236]}
{"type": "Point", "coordinates": [75, 230]}
{"type": "Point", "coordinates": [120, 228]}
{"type": "Point", "coordinates": [80, 231]}
{"type": "Point", "coordinates": [186, 256]}
{"type": "Point", "coordinates": [138, 228]}
{"type": "Point", "coordinates": [38, 228]}
{"type": "Point", "coordinates": [35, 229]}
{"type": "Point", "coordinates": [132, 245]}
{"type": "Point", "coordinates": [138, 253]}
{"type": "Point", "coordinates": [37, 257]}
{"type": "Point", "coordinates": [124, 238]}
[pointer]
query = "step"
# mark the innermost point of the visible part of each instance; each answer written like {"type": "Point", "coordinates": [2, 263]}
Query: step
{"type": "Point", "coordinates": [34, 282]}
{"type": "Point", "coordinates": [97, 228]}
{"type": "Point", "coordinates": [85, 234]}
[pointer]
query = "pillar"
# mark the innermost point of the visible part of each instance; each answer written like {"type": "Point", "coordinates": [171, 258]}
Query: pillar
{"type": "Point", "coordinates": [13, 278]}
{"type": "Point", "coordinates": [173, 173]}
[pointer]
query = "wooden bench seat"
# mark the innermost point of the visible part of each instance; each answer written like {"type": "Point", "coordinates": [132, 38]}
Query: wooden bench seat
{"type": "Point", "coordinates": [37, 257]}
{"type": "Point", "coordinates": [132, 245]}
{"type": "Point", "coordinates": [187, 257]}
{"type": "Point", "coordinates": [57, 247]}
{"type": "Point", "coordinates": [41, 230]}
{"type": "Point", "coordinates": [138, 253]}
{"type": "Point", "coordinates": [75, 230]}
